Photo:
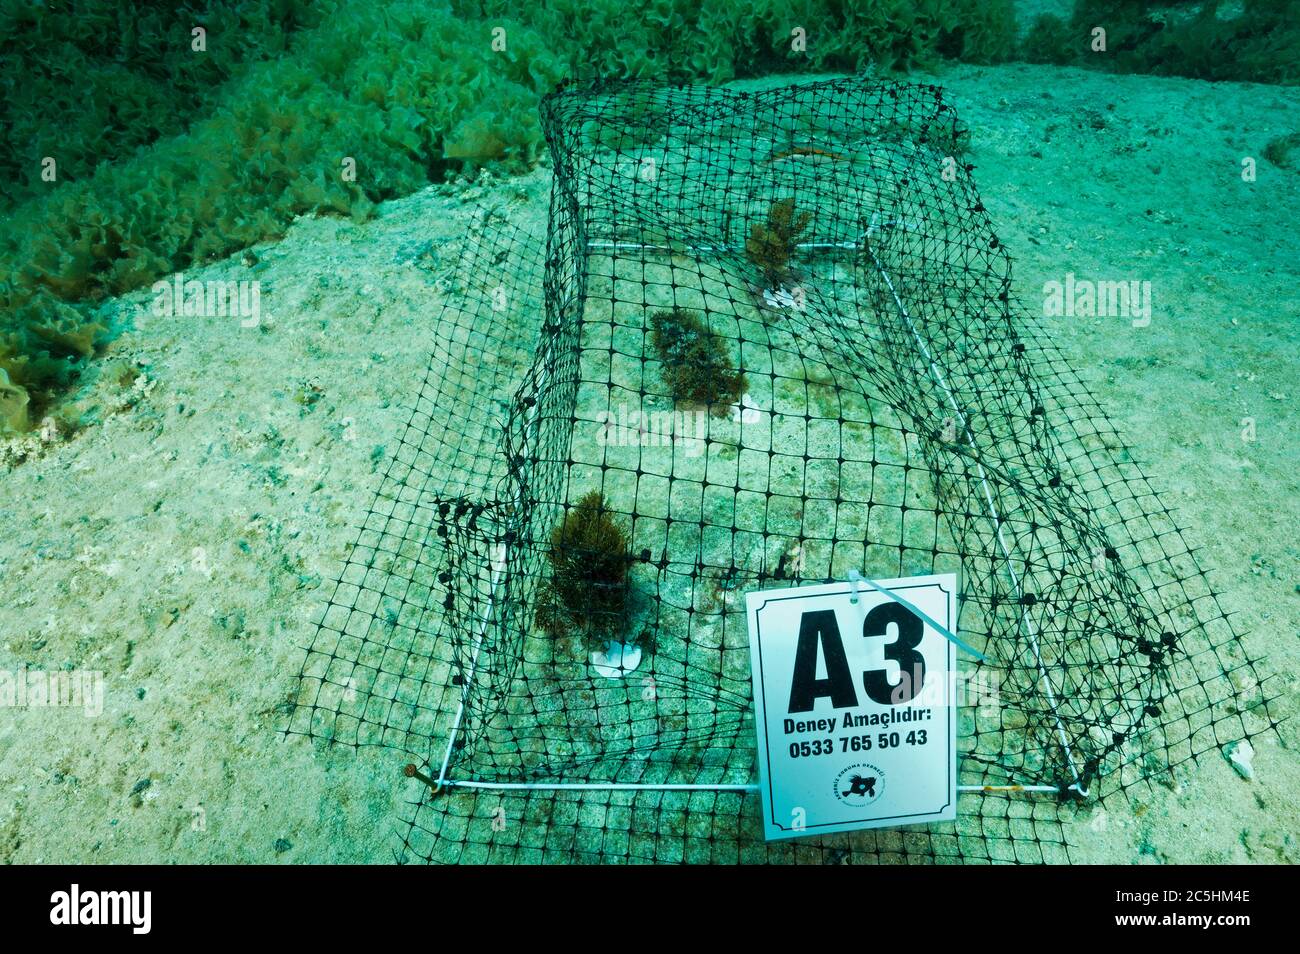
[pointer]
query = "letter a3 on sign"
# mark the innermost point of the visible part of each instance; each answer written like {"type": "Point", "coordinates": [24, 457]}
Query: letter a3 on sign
{"type": "Point", "coordinates": [855, 704]}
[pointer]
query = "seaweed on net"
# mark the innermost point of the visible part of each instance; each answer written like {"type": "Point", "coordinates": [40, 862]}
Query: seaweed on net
{"type": "Point", "coordinates": [695, 362]}
{"type": "Point", "coordinates": [905, 416]}
{"type": "Point", "coordinates": [773, 243]}
{"type": "Point", "coordinates": [587, 589]}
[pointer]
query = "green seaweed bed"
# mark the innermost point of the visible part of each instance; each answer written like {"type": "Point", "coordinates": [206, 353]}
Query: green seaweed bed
{"type": "Point", "coordinates": [165, 156]}
{"type": "Point", "coordinates": [129, 153]}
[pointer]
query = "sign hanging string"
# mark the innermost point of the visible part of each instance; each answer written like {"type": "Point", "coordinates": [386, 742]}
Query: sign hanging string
{"type": "Point", "coordinates": [856, 580]}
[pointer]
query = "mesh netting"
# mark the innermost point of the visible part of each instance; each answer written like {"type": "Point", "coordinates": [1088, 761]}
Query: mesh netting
{"type": "Point", "coordinates": [768, 338]}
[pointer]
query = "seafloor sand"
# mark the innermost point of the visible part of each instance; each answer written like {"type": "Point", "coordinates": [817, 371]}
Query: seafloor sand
{"type": "Point", "coordinates": [178, 542]}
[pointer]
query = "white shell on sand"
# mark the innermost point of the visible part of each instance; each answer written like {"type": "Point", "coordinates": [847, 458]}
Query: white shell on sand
{"type": "Point", "coordinates": [616, 660]}
{"type": "Point", "coordinates": [1241, 755]}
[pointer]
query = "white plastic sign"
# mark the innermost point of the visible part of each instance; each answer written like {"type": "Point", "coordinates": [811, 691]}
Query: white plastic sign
{"type": "Point", "coordinates": [855, 704]}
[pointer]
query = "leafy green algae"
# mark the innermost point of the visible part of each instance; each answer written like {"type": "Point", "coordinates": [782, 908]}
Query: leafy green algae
{"type": "Point", "coordinates": [167, 156]}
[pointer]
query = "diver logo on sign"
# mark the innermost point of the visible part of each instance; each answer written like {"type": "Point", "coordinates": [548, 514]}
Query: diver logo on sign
{"type": "Point", "coordinates": [859, 784]}
{"type": "Point", "coordinates": [841, 672]}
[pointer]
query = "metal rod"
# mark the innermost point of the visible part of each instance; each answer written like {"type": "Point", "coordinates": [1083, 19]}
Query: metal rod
{"type": "Point", "coordinates": [498, 567]}
{"type": "Point", "coordinates": [600, 243]}
{"type": "Point", "coordinates": [671, 786]}
{"type": "Point", "coordinates": [1025, 622]}
{"type": "Point", "coordinates": [498, 562]}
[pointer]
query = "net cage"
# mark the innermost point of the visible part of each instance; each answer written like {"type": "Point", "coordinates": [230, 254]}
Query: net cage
{"type": "Point", "coordinates": [768, 338]}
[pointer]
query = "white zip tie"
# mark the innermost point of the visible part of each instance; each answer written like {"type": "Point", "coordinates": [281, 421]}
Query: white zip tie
{"type": "Point", "coordinates": [857, 579]}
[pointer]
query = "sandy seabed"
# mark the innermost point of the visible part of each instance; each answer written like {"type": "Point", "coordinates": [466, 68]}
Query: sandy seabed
{"type": "Point", "coordinates": [179, 541]}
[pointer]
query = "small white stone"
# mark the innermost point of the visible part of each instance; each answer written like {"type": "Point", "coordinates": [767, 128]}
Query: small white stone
{"type": "Point", "coordinates": [746, 412]}
{"type": "Point", "coordinates": [1241, 755]}
{"type": "Point", "coordinates": [781, 298]}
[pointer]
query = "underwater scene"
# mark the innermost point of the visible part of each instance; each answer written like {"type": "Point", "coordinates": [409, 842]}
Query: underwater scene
{"type": "Point", "coordinates": [716, 432]}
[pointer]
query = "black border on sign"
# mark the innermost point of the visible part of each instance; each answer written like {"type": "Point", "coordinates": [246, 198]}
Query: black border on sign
{"type": "Point", "coordinates": [762, 684]}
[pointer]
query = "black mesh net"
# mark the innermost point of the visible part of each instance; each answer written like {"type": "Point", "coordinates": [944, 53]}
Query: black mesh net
{"type": "Point", "coordinates": [768, 337]}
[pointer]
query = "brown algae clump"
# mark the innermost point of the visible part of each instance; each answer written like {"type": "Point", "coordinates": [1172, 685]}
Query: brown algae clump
{"type": "Point", "coordinates": [770, 245]}
{"type": "Point", "coordinates": [696, 366]}
{"type": "Point", "coordinates": [587, 591]}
